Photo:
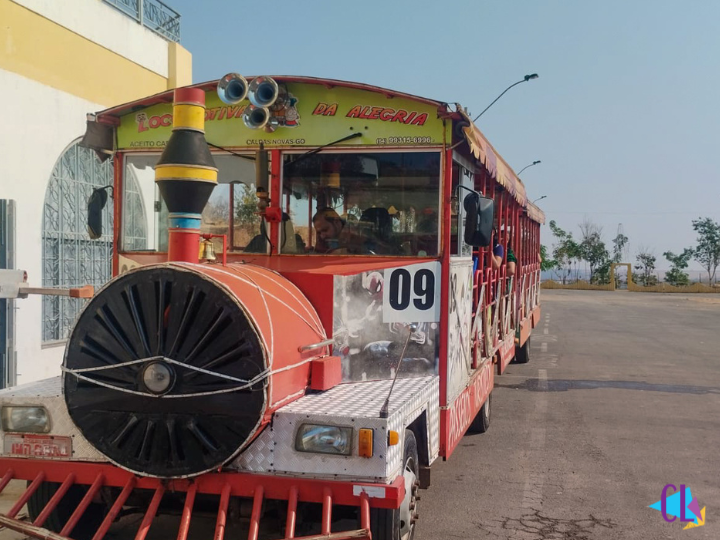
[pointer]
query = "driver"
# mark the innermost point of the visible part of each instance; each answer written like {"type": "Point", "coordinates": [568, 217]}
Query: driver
{"type": "Point", "coordinates": [334, 236]}
{"type": "Point", "coordinates": [330, 230]}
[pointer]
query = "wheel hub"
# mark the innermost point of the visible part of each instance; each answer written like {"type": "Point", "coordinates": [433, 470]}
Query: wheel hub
{"type": "Point", "coordinates": [158, 378]}
{"type": "Point", "coordinates": [408, 510]}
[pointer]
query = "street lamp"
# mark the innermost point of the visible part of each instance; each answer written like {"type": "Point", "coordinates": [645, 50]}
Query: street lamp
{"type": "Point", "coordinates": [533, 163]}
{"type": "Point", "coordinates": [539, 199]}
{"type": "Point", "coordinates": [525, 79]}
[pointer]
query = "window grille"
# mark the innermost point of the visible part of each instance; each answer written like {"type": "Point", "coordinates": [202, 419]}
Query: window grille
{"type": "Point", "coordinates": [69, 257]}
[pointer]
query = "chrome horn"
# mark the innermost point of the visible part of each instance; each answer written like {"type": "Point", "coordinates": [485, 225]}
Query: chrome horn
{"type": "Point", "coordinates": [263, 92]}
{"type": "Point", "coordinates": [232, 88]}
{"type": "Point", "coordinates": [256, 117]}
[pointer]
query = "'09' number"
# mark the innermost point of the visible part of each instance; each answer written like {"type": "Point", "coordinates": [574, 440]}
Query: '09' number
{"type": "Point", "coordinates": [418, 288]}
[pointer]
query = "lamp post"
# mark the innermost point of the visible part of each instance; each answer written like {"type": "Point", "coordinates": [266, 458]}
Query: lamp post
{"type": "Point", "coordinates": [526, 166]}
{"type": "Point", "coordinates": [539, 199]}
{"type": "Point", "coordinates": [525, 79]}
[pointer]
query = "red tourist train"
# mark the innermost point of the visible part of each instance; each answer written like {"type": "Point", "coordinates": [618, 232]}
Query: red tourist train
{"type": "Point", "coordinates": [315, 284]}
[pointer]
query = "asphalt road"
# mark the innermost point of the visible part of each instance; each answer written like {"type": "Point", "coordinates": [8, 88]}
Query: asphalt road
{"type": "Point", "coordinates": [621, 397]}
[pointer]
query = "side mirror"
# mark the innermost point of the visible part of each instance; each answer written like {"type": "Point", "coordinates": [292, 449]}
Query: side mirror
{"type": "Point", "coordinates": [95, 206]}
{"type": "Point", "coordinates": [480, 212]}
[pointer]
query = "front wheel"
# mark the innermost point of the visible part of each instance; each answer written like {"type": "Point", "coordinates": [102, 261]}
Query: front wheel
{"type": "Point", "coordinates": [522, 355]}
{"type": "Point", "coordinates": [399, 524]}
{"type": "Point", "coordinates": [89, 522]}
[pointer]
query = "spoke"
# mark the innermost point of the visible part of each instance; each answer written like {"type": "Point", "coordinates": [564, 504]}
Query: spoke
{"type": "Point", "coordinates": [132, 302]}
{"type": "Point", "coordinates": [125, 431]}
{"type": "Point", "coordinates": [209, 334]}
{"type": "Point", "coordinates": [109, 322]}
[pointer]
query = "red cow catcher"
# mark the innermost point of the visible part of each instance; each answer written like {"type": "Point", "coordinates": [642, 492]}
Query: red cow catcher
{"type": "Point", "coordinates": [349, 337]}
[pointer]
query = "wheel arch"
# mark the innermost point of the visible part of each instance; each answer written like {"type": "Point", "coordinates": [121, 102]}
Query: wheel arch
{"type": "Point", "coordinates": [419, 427]}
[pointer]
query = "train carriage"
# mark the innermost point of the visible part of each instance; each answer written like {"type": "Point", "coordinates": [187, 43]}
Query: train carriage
{"type": "Point", "coordinates": [304, 314]}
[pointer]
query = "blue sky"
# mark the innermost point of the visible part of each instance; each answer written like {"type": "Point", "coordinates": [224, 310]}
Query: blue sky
{"type": "Point", "coordinates": [625, 114]}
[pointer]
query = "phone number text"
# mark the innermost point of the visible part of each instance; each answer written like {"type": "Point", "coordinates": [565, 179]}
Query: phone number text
{"type": "Point", "coordinates": [404, 140]}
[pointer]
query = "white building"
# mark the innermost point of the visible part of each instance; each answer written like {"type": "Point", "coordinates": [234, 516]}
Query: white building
{"type": "Point", "coordinates": [60, 61]}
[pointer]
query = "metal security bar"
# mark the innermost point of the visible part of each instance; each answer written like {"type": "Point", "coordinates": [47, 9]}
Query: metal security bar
{"type": "Point", "coordinates": [152, 14]}
{"type": "Point", "coordinates": [258, 488]}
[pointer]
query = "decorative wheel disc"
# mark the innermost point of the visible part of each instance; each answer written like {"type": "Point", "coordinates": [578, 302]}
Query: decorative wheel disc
{"type": "Point", "coordinates": [146, 405]}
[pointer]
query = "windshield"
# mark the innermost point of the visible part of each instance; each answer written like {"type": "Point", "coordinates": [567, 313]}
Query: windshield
{"type": "Point", "coordinates": [383, 203]}
{"type": "Point", "coordinates": [144, 221]}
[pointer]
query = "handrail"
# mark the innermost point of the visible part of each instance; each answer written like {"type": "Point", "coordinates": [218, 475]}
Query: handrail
{"type": "Point", "coordinates": [153, 14]}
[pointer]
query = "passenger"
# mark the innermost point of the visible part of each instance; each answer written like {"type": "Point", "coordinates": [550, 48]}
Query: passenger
{"type": "Point", "coordinates": [291, 242]}
{"type": "Point", "coordinates": [497, 252]}
{"type": "Point", "coordinates": [376, 227]}
{"type": "Point", "coordinates": [427, 232]}
{"type": "Point", "coordinates": [511, 262]}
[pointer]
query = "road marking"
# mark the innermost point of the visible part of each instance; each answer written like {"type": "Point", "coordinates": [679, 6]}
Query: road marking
{"type": "Point", "coordinates": [534, 480]}
{"type": "Point", "coordinates": [543, 382]}
{"type": "Point", "coordinates": [545, 331]}
{"type": "Point", "coordinates": [543, 346]}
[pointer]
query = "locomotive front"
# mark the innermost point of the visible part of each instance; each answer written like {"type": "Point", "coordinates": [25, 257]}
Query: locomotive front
{"type": "Point", "coordinates": [173, 368]}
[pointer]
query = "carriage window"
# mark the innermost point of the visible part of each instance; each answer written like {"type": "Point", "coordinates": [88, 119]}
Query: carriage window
{"type": "Point", "coordinates": [232, 208]}
{"type": "Point", "coordinates": [362, 203]}
{"type": "Point", "coordinates": [464, 177]}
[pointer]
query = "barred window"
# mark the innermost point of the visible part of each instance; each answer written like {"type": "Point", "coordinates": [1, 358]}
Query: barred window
{"type": "Point", "coordinates": [69, 257]}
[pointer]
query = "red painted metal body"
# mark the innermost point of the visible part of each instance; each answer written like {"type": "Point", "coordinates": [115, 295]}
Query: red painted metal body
{"type": "Point", "coordinates": [225, 485]}
{"type": "Point", "coordinates": [285, 320]}
{"type": "Point", "coordinates": [454, 421]}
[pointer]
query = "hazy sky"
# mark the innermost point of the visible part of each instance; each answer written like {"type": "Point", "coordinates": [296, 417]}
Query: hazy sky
{"type": "Point", "coordinates": [625, 114]}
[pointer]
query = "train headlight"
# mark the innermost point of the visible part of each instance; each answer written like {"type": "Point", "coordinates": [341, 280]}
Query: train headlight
{"type": "Point", "coordinates": [25, 419]}
{"type": "Point", "coordinates": [158, 378]}
{"type": "Point", "coordinates": [324, 439]}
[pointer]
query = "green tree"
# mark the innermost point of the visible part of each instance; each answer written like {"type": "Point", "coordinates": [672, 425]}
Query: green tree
{"type": "Point", "coordinates": [246, 206]}
{"type": "Point", "coordinates": [676, 276]}
{"type": "Point", "coordinates": [565, 250]}
{"type": "Point", "coordinates": [593, 250]}
{"type": "Point", "coordinates": [619, 243]}
{"type": "Point", "coordinates": [546, 263]}
{"type": "Point", "coordinates": [707, 251]}
{"type": "Point", "coordinates": [645, 267]}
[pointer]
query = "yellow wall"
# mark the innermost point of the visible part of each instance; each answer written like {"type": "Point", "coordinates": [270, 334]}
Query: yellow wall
{"type": "Point", "coordinates": [179, 66]}
{"type": "Point", "coordinates": [39, 49]}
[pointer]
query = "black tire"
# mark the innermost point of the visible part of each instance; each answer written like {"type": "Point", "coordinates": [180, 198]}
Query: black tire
{"type": "Point", "coordinates": [88, 523]}
{"type": "Point", "coordinates": [481, 423]}
{"type": "Point", "coordinates": [386, 524]}
{"type": "Point", "coordinates": [522, 354]}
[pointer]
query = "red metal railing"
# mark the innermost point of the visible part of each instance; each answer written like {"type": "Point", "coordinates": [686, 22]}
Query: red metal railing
{"type": "Point", "coordinates": [257, 487]}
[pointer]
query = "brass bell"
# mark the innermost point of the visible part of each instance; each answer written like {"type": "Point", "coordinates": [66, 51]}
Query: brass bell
{"type": "Point", "coordinates": [207, 250]}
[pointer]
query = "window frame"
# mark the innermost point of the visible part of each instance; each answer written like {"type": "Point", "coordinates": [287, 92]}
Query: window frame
{"type": "Point", "coordinates": [371, 150]}
{"type": "Point", "coordinates": [157, 198]}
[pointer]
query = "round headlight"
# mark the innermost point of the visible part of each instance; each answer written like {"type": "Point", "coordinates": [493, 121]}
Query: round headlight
{"type": "Point", "coordinates": [158, 378]}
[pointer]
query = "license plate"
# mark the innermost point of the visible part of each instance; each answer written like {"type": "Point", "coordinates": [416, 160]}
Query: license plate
{"type": "Point", "coordinates": [47, 446]}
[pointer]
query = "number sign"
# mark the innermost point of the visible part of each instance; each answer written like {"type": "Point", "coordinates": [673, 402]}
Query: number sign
{"type": "Point", "coordinates": [412, 293]}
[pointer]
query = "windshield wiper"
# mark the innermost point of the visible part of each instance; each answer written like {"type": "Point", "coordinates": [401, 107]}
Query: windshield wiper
{"type": "Point", "coordinates": [251, 158]}
{"type": "Point", "coordinates": [320, 148]}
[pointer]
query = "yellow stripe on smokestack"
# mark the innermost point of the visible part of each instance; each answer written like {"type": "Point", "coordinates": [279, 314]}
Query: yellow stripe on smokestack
{"type": "Point", "coordinates": [189, 116]}
{"type": "Point", "coordinates": [182, 172]}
